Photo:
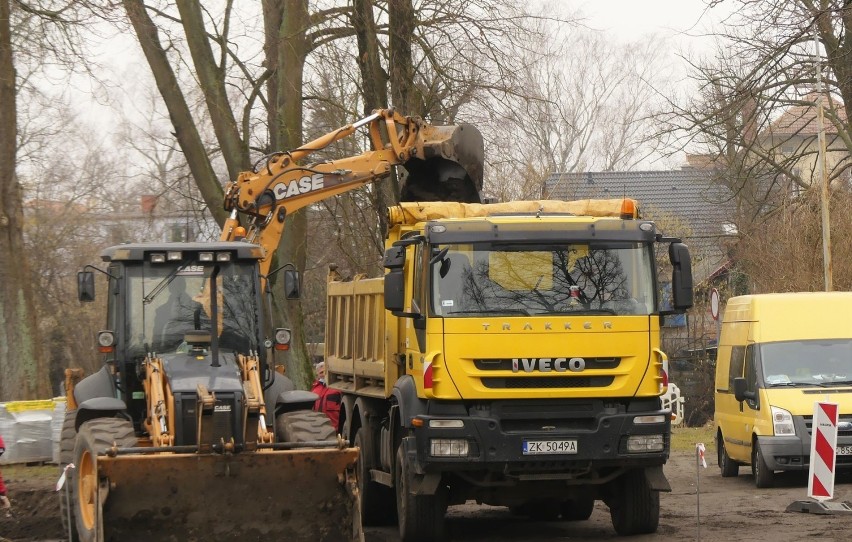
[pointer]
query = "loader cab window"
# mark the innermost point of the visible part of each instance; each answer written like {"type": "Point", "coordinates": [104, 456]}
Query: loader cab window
{"type": "Point", "coordinates": [165, 303]}
{"type": "Point", "coordinates": [543, 279]}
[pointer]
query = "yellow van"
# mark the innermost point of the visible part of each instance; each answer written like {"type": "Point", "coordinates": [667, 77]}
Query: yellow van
{"type": "Point", "coordinates": [778, 355]}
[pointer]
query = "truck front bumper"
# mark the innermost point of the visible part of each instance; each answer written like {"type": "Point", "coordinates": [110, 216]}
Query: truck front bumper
{"type": "Point", "coordinates": [591, 437]}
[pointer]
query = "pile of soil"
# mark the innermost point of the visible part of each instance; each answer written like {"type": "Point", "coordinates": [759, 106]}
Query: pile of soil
{"type": "Point", "coordinates": [35, 504]}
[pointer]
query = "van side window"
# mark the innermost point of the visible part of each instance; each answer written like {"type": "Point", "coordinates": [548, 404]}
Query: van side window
{"type": "Point", "coordinates": [737, 363]}
{"type": "Point", "coordinates": [750, 373]}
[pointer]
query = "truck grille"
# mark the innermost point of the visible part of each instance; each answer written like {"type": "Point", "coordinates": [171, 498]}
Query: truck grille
{"type": "Point", "coordinates": [506, 364]}
{"type": "Point", "coordinates": [547, 382]}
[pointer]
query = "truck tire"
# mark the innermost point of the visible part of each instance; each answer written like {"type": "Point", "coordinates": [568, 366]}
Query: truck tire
{"type": "Point", "coordinates": [377, 500]}
{"type": "Point", "coordinates": [95, 436]}
{"type": "Point", "coordinates": [578, 509]}
{"type": "Point", "coordinates": [421, 518]}
{"type": "Point", "coordinates": [304, 426]}
{"type": "Point", "coordinates": [763, 475]}
{"type": "Point", "coordinates": [66, 457]}
{"type": "Point", "coordinates": [636, 507]}
{"type": "Point", "coordinates": [728, 466]}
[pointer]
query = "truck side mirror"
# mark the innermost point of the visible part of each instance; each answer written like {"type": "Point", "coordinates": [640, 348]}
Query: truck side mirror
{"type": "Point", "coordinates": [681, 276]}
{"type": "Point", "coordinates": [292, 284]}
{"type": "Point", "coordinates": [85, 286]}
{"type": "Point", "coordinates": [395, 291]}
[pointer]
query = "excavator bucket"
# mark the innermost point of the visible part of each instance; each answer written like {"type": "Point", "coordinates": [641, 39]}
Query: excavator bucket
{"type": "Point", "coordinates": [451, 166]}
{"type": "Point", "coordinates": [293, 495]}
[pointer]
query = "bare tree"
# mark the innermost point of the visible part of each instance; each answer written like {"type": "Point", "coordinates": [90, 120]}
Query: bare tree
{"type": "Point", "coordinates": [754, 116]}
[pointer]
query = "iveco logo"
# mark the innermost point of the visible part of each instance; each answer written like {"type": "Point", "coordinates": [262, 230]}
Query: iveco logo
{"type": "Point", "coordinates": [547, 326]}
{"type": "Point", "coordinates": [844, 426]}
{"type": "Point", "coordinates": [546, 365]}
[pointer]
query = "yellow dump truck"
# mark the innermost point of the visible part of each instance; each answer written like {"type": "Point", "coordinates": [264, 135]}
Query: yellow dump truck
{"type": "Point", "coordinates": [510, 355]}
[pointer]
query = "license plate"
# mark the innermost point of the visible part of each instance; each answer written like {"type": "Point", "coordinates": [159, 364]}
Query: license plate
{"type": "Point", "coordinates": [533, 447]}
{"type": "Point", "coordinates": [844, 450]}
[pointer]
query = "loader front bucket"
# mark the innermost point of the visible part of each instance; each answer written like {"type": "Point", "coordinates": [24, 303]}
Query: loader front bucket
{"type": "Point", "coordinates": [449, 170]}
{"type": "Point", "coordinates": [293, 495]}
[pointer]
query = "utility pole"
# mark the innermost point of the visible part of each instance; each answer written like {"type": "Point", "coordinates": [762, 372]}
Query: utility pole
{"type": "Point", "coordinates": [821, 173]}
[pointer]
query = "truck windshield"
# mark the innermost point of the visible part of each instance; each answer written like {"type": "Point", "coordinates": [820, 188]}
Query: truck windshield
{"type": "Point", "coordinates": [165, 303]}
{"type": "Point", "coordinates": [808, 362]}
{"type": "Point", "coordinates": [499, 279]}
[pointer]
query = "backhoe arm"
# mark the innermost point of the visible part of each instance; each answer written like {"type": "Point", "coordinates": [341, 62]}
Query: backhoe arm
{"type": "Point", "coordinates": [443, 163]}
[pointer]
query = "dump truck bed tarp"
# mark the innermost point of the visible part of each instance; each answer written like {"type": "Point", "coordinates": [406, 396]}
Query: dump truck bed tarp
{"type": "Point", "coordinates": [414, 212]}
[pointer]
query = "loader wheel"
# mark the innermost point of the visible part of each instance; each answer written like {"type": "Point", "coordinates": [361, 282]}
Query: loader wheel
{"type": "Point", "coordinates": [95, 436]}
{"type": "Point", "coordinates": [304, 426]}
{"type": "Point", "coordinates": [636, 507]}
{"type": "Point", "coordinates": [377, 501]}
{"type": "Point", "coordinates": [66, 456]}
{"type": "Point", "coordinates": [421, 517]}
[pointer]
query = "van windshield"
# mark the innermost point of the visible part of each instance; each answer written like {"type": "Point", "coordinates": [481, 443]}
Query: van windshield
{"type": "Point", "coordinates": [811, 362]}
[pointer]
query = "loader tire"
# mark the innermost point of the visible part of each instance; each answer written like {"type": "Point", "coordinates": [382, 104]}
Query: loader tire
{"type": "Point", "coordinates": [66, 457]}
{"type": "Point", "coordinates": [636, 509]}
{"type": "Point", "coordinates": [304, 426]}
{"type": "Point", "coordinates": [95, 436]}
{"type": "Point", "coordinates": [422, 518]}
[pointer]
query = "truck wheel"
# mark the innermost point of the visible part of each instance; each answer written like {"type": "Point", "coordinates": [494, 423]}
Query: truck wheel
{"type": "Point", "coordinates": [578, 509]}
{"type": "Point", "coordinates": [377, 501]}
{"type": "Point", "coordinates": [728, 466]}
{"type": "Point", "coordinates": [636, 507]}
{"type": "Point", "coordinates": [421, 517]}
{"type": "Point", "coordinates": [304, 426]}
{"type": "Point", "coordinates": [763, 475]}
{"type": "Point", "coordinates": [541, 510]}
{"type": "Point", "coordinates": [66, 456]}
{"type": "Point", "coordinates": [95, 436]}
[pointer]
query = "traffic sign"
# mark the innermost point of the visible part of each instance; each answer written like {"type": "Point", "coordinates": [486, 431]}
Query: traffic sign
{"type": "Point", "coordinates": [714, 303]}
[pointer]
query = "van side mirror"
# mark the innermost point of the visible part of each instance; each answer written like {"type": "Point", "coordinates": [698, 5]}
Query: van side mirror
{"type": "Point", "coordinates": [681, 276]}
{"type": "Point", "coordinates": [85, 286]}
{"type": "Point", "coordinates": [292, 284]}
{"type": "Point", "coordinates": [740, 393]}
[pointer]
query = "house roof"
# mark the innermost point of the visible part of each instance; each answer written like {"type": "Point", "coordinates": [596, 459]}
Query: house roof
{"type": "Point", "coordinates": [689, 194]}
{"type": "Point", "coordinates": [802, 119]}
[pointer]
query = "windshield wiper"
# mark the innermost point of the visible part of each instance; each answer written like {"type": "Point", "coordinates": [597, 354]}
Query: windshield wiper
{"type": "Point", "coordinates": [491, 311]}
{"type": "Point", "coordinates": [158, 289]}
{"type": "Point", "coordinates": [583, 311]}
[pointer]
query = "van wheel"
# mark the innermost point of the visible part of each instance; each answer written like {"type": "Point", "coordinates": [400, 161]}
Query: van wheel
{"type": "Point", "coordinates": [763, 475]}
{"type": "Point", "coordinates": [728, 466]}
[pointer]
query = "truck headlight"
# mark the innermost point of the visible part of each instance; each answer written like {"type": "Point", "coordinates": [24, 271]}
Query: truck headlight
{"type": "Point", "coordinates": [645, 443]}
{"type": "Point", "coordinates": [448, 447]}
{"type": "Point", "coordinates": [782, 422]}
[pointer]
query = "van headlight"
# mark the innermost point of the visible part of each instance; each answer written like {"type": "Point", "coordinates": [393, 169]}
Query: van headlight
{"type": "Point", "coordinates": [782, 422]}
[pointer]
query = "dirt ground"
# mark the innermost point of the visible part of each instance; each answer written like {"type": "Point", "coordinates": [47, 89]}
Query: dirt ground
{"type": "Point", "coordinates": [730, 509]}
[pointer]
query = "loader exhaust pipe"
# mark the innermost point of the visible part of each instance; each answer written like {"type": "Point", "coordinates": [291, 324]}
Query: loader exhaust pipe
{"type": "Point", "coordinates": [451, 168]}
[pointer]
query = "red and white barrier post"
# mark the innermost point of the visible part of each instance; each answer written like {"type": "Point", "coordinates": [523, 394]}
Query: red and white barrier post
{"type": "Point", "coordinates": [823, 452]}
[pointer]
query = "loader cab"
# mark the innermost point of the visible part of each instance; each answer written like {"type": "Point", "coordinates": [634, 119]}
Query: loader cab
{"type": "Point", "coordinates": [178, 300]}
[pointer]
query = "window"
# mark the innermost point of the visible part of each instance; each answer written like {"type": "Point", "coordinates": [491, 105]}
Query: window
{"type": "Point", "coordinates": [737, 363]}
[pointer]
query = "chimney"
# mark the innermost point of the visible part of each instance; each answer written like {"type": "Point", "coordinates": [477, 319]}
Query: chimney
{"type": "Point", "coordinates": [149, 203]}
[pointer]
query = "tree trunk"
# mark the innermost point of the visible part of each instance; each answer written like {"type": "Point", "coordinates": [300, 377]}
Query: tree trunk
{"type": "Point", "coordinates": [403, 90]}
{"type": "Point", "coordinates": [23, 365]}
{"type": "Point", "coordinates": [286, 47]}
{"type": "Point", "coordinates": [212, 81]}
{"type": "Point", "coordinates": [375, 93]}
{"type": "Point", "coordinates": [184, 125]}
